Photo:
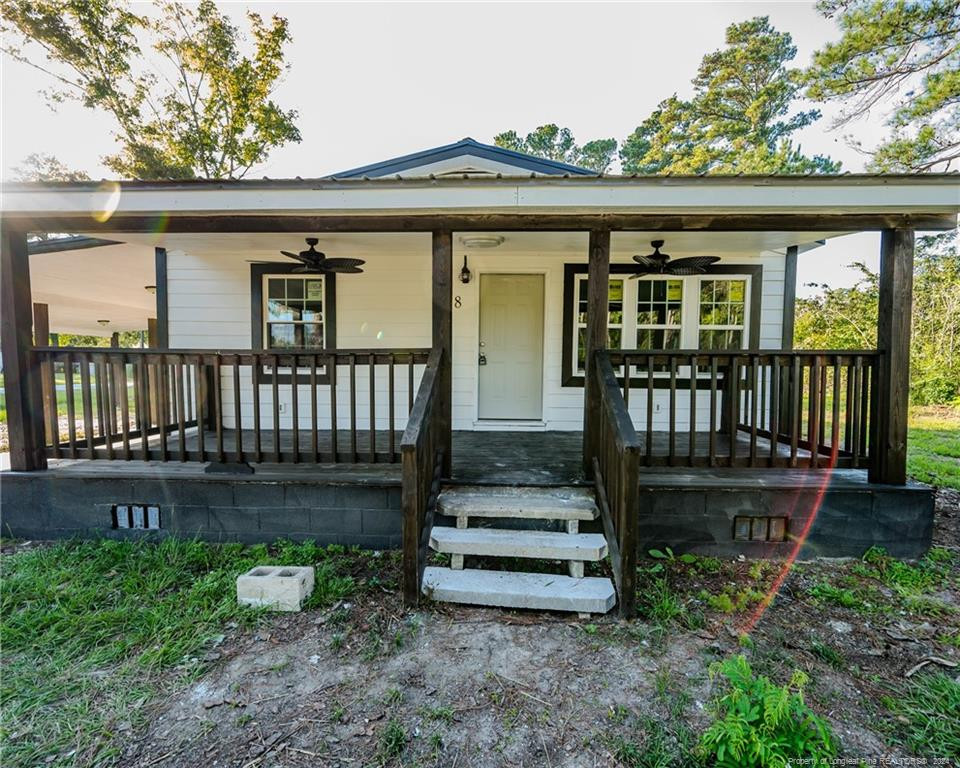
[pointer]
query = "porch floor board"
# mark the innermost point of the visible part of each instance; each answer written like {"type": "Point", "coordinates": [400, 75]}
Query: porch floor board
{"type": "Point", "coordinates": [491, 457]}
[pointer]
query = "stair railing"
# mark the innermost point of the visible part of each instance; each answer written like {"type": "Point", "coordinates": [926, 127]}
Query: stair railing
{"type": "Point", "coordinates": [421, 451]}
{"type": "Point", "coordinates": [616, 461]}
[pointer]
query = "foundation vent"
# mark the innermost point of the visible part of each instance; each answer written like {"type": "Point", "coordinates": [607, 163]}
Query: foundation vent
{"type": "Point", "coordinates": [760, 528]}
{"type": "Point", "coordinates": [144, 517]}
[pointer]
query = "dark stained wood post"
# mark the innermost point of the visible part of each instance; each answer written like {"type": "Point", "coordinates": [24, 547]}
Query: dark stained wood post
{"type": "Point", "coordinates": [787, 331]}
{"type": "Point", "coordinates": [22, 384]}
{"type": "Point", "coordinates": [443, 336]}
{"type": "Point", "coordinates": [41, 338]}
{"type": "Point", "coordinates": [890, 397]}
{"type": "Point", "coordinates": [598, 278]}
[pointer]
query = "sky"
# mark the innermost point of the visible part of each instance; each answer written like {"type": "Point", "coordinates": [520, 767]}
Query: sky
{"type": "Point", "coordinates": [377, 80]}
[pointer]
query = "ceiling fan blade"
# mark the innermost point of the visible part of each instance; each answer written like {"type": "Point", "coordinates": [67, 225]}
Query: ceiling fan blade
{"type": "Point", "coordinates": [692, 265]}
{"type": "Point", "coordinates": [334, 263]}
{"type": "Point", "coordinates": [311, 268]}
{"type": "Point", "coordinates": [639, 274]}
{"type": "Point", "coordinates": [646, 262]}
{"type": "Point", "coordinates": [298, 257]}
{"type": "Point", "coordinates": [258, 261]}
{"type": "Point", "coordinates": [342, 269]}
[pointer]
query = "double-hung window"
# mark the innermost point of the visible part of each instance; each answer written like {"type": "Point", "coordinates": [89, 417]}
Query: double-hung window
{"type": "Point", "coordinates": [659, 313]}
{"type": "Point", "coordinates": [615, 318]}
{"type": "Point", "coordinates": [723, 313]}
{"type": "Point", "coordinates": [293, 312]}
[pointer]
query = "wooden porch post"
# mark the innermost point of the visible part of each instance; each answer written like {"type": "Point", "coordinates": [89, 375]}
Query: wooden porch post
{"type": "Point", "coordinates": [598, 278]}
{"type": "Point", "coordinates": [21, 373]}
{"type": "Point", "coordinates": [890, 396]}
{"type": "Point", "coordinates": [41, 338]}
{"type": "Point", "coordinates": [443, 336]}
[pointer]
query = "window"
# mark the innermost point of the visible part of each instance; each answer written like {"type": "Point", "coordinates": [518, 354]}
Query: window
{"type": "Point", "coordinates": [614, 318]}
{"type": "Point", "coordinates": [723, 319]}
{"type": "Point", "coordinates": [717, 310]}
{"type": "Point", "coordinates": [659, 313]}
{"type": "Point", "coordinates": [293, 315]}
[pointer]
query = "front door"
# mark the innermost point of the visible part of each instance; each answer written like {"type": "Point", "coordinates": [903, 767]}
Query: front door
{"type": "Point", "coordinates": [511, 347]}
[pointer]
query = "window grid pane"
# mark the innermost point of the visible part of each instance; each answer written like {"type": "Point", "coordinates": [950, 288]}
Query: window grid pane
{"type": "Point", "coordinates": [659, 313]}
{"type": "Point", "coordinates": [294, 313]}
{"type": "Point", "coordinates": [722, 313]}
{"type": "Point", "coordinates": [614, 318]}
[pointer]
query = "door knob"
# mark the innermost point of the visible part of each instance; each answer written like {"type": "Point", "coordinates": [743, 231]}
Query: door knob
{"type": "Point", "coordinates": [482, 360]}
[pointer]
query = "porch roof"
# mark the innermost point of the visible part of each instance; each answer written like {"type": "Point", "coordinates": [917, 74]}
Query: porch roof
{"type": "Point", "coordinates": [932, 201]}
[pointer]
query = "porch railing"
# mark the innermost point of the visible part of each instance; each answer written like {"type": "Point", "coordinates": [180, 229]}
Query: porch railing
{"type": "Point", "coordinates": [422, 452]}
{"type": "Point", "coordinates": [790, 408]}
{"type": "Point", "coordinates": [615, 458]}
{"type": "Point", "coordinates": [344, 406]}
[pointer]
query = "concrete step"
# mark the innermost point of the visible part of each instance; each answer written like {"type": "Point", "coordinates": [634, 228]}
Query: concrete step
{"type": "Point", "coordinates": [507, 501]}
{"type": "Point", "coordinates": [506, 589]}
{"type": "Point", "coordinates": [497, 542]}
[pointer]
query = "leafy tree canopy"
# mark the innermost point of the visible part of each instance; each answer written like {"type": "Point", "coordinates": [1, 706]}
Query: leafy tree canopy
{"type": "Point", "coordinates": [554, 143]}
{"type": "Point", "coordinates": [740, 118]}
{"type": "Point", "coordinates": [38, 166]}
{"type": "Point", "coordinates": [205, 108]}
{"type": "Point", "coordinates": [846, 318]}
{"type": "Point", "coordinates": [903, 57]}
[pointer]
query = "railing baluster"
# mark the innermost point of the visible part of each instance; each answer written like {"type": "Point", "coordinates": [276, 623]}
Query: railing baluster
{"type": "Point", "coordinates": [144, 390]}
{"type": "Point", "coordinates": [866, 447]}
{"type": "Point", "coordinates": [372, 367]}
{"type": "Point", "coordinates": [693, 411]}
{"type": "Point", "coordinates": [392, 407]}
{"type": "Point", "coordinates": [813, 427]}
{"type": "Point", "coordinates": [754, 384]}
{"type": "Point", "coordinates": [295, 410]}
{"type": "Point", "coordinates": [314, 425]}
{"type": "Point", "coordinates": [53, 410]}
{"type": "Point", "coordinates": [835, 418]}
{"type": "Point", "coordinates": [237, 412]}
{"type": "Point", "coordinates": [650, 391]}
{"type": "Point", "coordinates": [178, 393]}
{"type": "Point", "coordinates": [71, 405]}
{"type": "Point", "coordinates": [775, 379]}
{"type": "Point", "coordinates": [822, 404]}
{"type": "Point", "coordinates": [255, 368]}
{"type": "Point", "coordinates": [123, 392]}
{"type": "Point", "coordinates": [162, 407]}
{"type": "Point", "coordinates": [712, 448]}
{"type": "Point", "coordinates": [857, 415]}
{"type": "Point", "coordinates": [276, 409]}
{"type": "Point", "coordinates": [796, 405]}
{"type": "Point", "coordinates": [734, 407]}
{"type": "Point", "coordinates": [200, 387]}
{"type": "Point", "coordinates": [87, 400]}
{"type": "Point", "coordinates": [626, 382]}
{"type": "Point", "coordinates": [353, 409]}
{"type": "Point", "coordinates": [109, 406]}
{"type": "Point", "coordinates": [99, 404]}
{"type": "Point", "coordinates": [332, 374]}
{"type": "Point", "coordinates": [672, 453]}
{"type": "Point", "coordinates": [218, 407]}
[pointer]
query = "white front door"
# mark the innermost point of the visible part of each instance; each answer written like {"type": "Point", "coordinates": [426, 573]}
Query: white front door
{"type": "Point", "coordinates": [511, 347]}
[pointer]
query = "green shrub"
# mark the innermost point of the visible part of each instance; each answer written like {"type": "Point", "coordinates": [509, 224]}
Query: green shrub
{"type": "Point", "coordinates": [758, 723]}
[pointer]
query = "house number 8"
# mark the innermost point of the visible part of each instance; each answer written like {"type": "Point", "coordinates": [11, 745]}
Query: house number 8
{"type": "Point", "coordinates": [457, 303]}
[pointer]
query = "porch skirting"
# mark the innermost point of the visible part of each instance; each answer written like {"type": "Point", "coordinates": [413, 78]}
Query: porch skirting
{"type": "Point", "coordinates": [834, 513]}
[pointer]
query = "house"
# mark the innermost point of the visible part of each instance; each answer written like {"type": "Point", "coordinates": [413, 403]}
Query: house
{"type": "Point", "coordinates": [611, 356]}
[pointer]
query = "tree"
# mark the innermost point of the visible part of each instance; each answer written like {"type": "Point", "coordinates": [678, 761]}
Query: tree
{"type": "Point", "coordinates": [554, 143]}
{"type": "Point", "coordinates": [901, 53]}
{"type": "Point", "coordinates": [740, 118]}
{"type": "Point", "coordinates": [204, 109]}
{"type": "Point", "coordinates": [41, 167]}
{"type": "Point", "coordinates": [846, 318]}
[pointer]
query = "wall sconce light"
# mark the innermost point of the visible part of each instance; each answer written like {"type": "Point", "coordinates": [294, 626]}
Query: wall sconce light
{"type": "Point", "coordinates": [465, 272]}
{"type": "Point", "coordinates": [150, 288]}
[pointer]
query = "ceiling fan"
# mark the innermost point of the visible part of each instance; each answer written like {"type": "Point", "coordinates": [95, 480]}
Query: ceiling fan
{"type": "Point", "coordinates": [317, 261]}
{"type": "Point", "coordinates": [661, 264]}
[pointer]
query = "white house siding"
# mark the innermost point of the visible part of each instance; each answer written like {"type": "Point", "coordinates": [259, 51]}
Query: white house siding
{"type": "Point", "coordinates": [389, 306]}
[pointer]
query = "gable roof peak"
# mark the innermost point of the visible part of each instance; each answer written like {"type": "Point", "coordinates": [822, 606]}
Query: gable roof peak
{"type": "Point", "coordinates": [499, 160]}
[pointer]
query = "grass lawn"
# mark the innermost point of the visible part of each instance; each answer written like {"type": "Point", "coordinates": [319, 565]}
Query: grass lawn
{"type": "Point", "coordinates": [933, 445]}
{"type": "Point", "coordinates": [92, 631]}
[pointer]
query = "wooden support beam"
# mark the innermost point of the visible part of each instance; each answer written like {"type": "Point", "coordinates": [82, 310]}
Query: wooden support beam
{"type": "Point", "coordinates": [598, 278]}
{"type": "Point", "coordinates": [22, 381]}
{"type": "Point", "coordinates": [890, 397]}
{"type": "Point", "coordinates": [443, 336]}
{"type": "Point", "coordinates": [643, 222]}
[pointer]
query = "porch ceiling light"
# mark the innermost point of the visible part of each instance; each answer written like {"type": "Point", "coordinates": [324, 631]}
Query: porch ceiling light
{"type": "Point", "coordinates": [103, 322]}
{"type": "Point", "coordinates": [482, 241]}
{"type": "Point", "coordinates": [150, 288]}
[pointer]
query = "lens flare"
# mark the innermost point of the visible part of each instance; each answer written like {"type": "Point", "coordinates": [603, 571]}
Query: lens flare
{"type": "Point", "coordinates": [159, 224]}
{"type": "Point", "coordinates": [107, 200]}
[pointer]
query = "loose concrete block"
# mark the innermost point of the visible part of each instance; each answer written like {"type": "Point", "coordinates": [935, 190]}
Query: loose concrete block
{"type": "Point", "coordinates": [281, 588]}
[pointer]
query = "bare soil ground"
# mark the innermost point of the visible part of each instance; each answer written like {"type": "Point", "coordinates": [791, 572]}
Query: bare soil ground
{"type": "Point", "coordinates": [368, 683]}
